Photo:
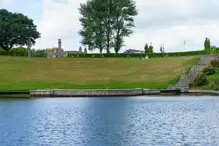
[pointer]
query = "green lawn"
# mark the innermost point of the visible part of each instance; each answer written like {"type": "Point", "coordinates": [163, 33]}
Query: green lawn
{"type": "Point", "coordinates": [20, 73]}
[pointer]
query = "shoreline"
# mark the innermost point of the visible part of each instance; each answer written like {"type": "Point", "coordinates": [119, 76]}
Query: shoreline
{"type": "Point", "coordinates": [101, 93]}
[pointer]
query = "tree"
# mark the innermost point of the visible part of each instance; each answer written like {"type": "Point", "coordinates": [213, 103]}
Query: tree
{"type": "Point", "coordinates": [146, 49]}
{"type": "Point", "coordinates": [151, 49]}
{"type": "Point", "coordinates": [207, 45]}
{"type": "Point", "coordinates": [123, 16]}
{"type": "Point", "coordinates": [16, 29]}
{"type": "Point", "coordinates": [162, 50]}
{"type": "Point", "coordinates": [105, 23]}
{"type": "Point", "coordinates": [51, 49]}
{"type": "Point", "coordinates": [92, 33]}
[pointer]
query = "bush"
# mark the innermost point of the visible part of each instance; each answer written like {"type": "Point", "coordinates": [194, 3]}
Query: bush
{"type": "Point", "coordinates": [15, 52]}
{"type": "Point", "coordinates": [212, 85]}
{"type": "Point", "coordinates": [210, 70]}
{"type": "Point", "coordinates": [20, 51]}
{"type": "Point", "coordinates": [38, 53]}
{"type": "Point", "coordinates": [215, 63]}
{"type": "Point", "coordinates": [200, 79]}
{"type": "Point", "coordinates": [152, 55]}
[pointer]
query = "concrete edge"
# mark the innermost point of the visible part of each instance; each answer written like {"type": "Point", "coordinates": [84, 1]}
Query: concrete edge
{"type": "Point", "coordinates": [100, 93]}
{"type": "Point", "coordinates": [203, 92]}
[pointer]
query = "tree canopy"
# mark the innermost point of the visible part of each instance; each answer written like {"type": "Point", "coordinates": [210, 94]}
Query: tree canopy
{"type": "Point", "coordinates": [149, 49]}
{"type": "Point", "coordinates": [105, 23]}
{"type": "Point", "coordinates": [16, 29]}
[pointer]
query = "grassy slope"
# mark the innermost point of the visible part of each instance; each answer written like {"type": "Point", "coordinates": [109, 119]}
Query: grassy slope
{"type": "Point", "coordinates": [42, 73]}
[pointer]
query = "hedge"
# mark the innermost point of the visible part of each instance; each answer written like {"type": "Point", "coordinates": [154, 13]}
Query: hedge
{"type": "Point", "coordinates": [192, 53]}
{"type": "Point", "coordinates": [13, 53]}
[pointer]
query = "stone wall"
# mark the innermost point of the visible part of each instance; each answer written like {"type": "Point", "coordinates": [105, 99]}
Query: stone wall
{"type": "Point", "coordinates": [86, 93]}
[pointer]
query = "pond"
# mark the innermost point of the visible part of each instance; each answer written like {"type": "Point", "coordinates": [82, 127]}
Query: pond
{"type": "Point", "coordinates": [160, 121]}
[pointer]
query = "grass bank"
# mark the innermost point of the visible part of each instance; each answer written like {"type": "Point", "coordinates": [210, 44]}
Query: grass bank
{"type": "Point", "coordinates": [20, 73]}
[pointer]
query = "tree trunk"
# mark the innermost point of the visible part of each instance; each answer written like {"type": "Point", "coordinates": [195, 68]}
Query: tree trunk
{"type": "Point", "coordinates": [108, 44]}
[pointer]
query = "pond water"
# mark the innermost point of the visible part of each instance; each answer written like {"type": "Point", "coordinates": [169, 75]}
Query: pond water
{"type": "Point", "coordinates": [160, 121]}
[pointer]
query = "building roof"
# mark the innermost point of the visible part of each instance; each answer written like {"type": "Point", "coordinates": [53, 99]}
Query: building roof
{"type": "Point", "coordinates": [132, 51]}
{"type": "Point", "coordinates": [64, 52]}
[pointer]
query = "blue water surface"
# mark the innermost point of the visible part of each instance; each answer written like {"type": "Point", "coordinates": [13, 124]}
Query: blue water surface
{"type": "Point", "coordinates": [160, 121]}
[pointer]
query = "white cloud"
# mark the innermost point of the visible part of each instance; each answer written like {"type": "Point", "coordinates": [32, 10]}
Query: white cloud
{"type": "Point", "coordinates": [165, 22]}
{"type": "Point", "coordinates": [4, 3]}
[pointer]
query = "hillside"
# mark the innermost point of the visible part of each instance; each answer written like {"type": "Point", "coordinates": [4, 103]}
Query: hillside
{"type": "Point", "coordinates": [17, 73]}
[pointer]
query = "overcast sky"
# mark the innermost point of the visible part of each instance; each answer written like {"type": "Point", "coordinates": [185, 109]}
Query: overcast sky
{"type": "Point", "coordinates": [167, 22]}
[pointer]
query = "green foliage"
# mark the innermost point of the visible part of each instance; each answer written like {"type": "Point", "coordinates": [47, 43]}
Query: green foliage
{"type": "Point", "coordinates": [210, 70]}
{"type": "Point", "coordinates": [16, 29]}
{"type": "Point", "coordinates": [20, 51]}
{"type": "Point", "coordinates": [151, 49]}
{"type": "Point", "coordinates": [212, 85]}
{"type": "Point", "coordinates": [215, 63]}
{"type": "Point", "coordinates": [106, 23]}
{"type": "Point", "coordinates": [217, 51]}
{"type": "Point", "coordinates": [38, 53]}
{"type": "Point", "coordinates": [200, 79]}
{"type": "Point", "coordinates": [2, 50]}
{"type": "Point", "coordinates": [207, 45]}
{"type": "Point", "coordinates": [153, 55]}
{"type": "Point", "coordinates": [146, 48]}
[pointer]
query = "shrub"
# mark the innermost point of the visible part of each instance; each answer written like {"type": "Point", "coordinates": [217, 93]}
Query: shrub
{"type": "Point", "coordinates": [14, 52]}
{"type": "Point", "coordinates": [200, 79]}
{"type": "Point", "coordinates": [38, 53]}
{"type": "Point", "coordinates": [212, 85]}
{"type": "Point", "coordinates": [210, 70]}
{"type": "Point", "coordinates": [20, 51]}
{"type": "Point", "coordinates": [211, 51]}
{"type": "Point", "coordinates": [151, 55]}
{"type": "Point", "coordinates": [215, 63]}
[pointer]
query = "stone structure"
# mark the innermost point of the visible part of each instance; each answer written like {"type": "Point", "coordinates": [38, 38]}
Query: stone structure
{"type": "Point", "coordinates": [86, 93]}
{"type": "Point", "coordinates": [186, 80]}
{"type": "Point", "coordinates": [59, 49]}
{"type": "Point", "coordinates": [133, 51]}
{"type": "Point", "coordinates": [85, 50]}
{"type": "Point", "coordinates": [80, 50]}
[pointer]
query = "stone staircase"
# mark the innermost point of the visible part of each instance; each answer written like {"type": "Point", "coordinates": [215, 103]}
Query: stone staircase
{"type": "Point", "coordinates": [186, 80]}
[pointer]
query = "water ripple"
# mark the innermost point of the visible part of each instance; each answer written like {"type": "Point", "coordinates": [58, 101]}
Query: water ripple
{"type": "Point", "coordinates": [104, 121]}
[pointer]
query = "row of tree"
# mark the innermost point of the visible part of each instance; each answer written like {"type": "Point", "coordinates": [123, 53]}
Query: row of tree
{"type": "Point", "coordinates": [105, 23]}
{"type": "Point", "coordinates": [149, 49]}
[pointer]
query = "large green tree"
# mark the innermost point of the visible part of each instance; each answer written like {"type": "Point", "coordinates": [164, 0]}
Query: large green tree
{"type": "Point", "coordinates": [123, 15]}
{"type": "Point", "coordinates": [105, 23]}
{"type": "Point", "coordinates": [16, 29]}
{"type": "Point", "coordinates": [93, 34]}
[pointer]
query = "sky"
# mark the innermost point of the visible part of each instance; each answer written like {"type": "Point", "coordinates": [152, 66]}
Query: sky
{"type": "Point", "coordinates": [160, 22]}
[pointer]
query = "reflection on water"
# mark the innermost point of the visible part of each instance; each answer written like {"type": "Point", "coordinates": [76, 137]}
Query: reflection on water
{"type": "Point", "coordinates": [105, 121]}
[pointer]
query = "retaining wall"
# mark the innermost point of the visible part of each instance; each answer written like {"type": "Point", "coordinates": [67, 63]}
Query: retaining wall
{"type": "Point", "coordinates": [86, 93]}
{"type": "Point", "coordinates": [99, 93]}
